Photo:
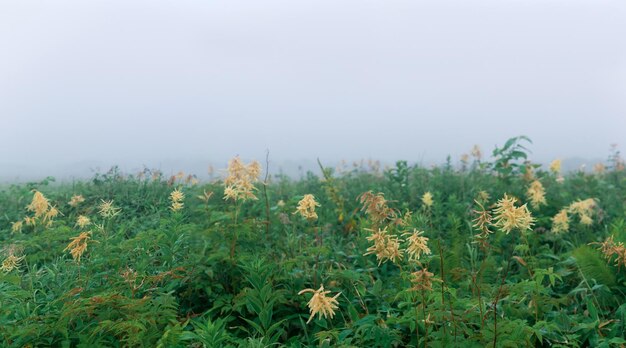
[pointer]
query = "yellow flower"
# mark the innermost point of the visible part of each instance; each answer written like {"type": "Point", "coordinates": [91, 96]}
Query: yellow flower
{"type": "Point", "coordinates": [422, 280]}
{"type": "Point", "coordinates": [584, 209]}
{"type": "Point", "coordinates": [427, 199]}
{"type": "Point", "coordinates": [16, 226]}
{"type": "Point", "coordinates": [599, 168]}
{"type": "Point", "coordinates": [476, 152]}
{"type": "Point", "coordinates": [306, 207]}
{"type": "Point", "coordinates": [586, 220]}
{"type": "Point", "coordinates": [609, 248]}
{"type": "Point", "coordinates": [10, 263]}
{"type": "Point", "coordinates": [29, 221]}
{"type": "Point", "coordinates": [240, 180]}
{"type": "Point", "coordinates": [107, 209]}
{"type": "Point", "coordinates": [536, 194]}
{"type": "Point", "coordinates": [50, 215]}
{"type": "Point", "coordinates": [177, 198]}
{"type": "Point", "coordinates": [560, 222]}
{"type": "Point", "coordinates": [509, 217]}
{"type": "Point", "coordinates": [375, 206]}
{"type": "Point", "coordinates": [76, 200]}
{"type": "Point", "coordinates": [320, 303]}
{"type": "Point", "coordinates": [555, 166]}
{"type": "Point", "coordinates": [417, 245]}
{"type": "Point", "coordinates": [386, 247]}
{"type": "Point", "coordinates": [82, 221]}
{"type": "Point", "coordinates": [78, 245]}
{"type": "Point", "coordinates": [39, 205]}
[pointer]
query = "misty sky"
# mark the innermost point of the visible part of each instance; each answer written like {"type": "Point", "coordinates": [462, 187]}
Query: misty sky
{"type": "Point", "coordinates": [124, 81]}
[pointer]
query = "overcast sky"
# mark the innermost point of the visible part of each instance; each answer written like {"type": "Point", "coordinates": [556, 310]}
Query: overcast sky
{"type": "Point", "coordinates": [140, 81]}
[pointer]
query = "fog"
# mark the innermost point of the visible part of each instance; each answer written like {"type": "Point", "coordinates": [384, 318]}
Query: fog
{"type": "Point", "coordinates": [86, 84]}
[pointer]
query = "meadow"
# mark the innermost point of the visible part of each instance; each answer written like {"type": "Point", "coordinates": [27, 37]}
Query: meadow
{"type": "Point", "coordinates": [490, 251]}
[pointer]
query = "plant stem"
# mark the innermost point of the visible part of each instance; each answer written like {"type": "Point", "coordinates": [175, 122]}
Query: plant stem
{"type": "Point", "coordinates": [267, 201]}
{"type": "Point", "coordinates": [495, 303]}
{"type": "Point", "coordinates": [234, 241]}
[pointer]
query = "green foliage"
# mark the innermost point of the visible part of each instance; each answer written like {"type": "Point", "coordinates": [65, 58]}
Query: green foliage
{"type": "Point", "coordinates": [151, 277]}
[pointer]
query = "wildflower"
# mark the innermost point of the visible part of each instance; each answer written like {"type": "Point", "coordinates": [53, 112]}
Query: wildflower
{"type": "Point", "coordinates": [509, 217]}
{"type": "Point", "coordinates": [536, 194]}
{"type": "Point", "coordinates": [609, 248]}
{"type": "Point", "coordinates": [555, 166]}
{"type": "Point", "coordinates": [427, 199]}
{"type": "Point", "coordinates": [78, 245]}
{"type": "Point", "coordinates": [483, 196]}
{"type": "Point", "coordinates": [417, 245]}
{"type": "Point", "coordinates": [320, 303]}
{"type": "Point", "coordinates": [386, 247]}
{"type": "Point", "coordinates": [375, 206]}
{"type": "Point", "coordinates": [584, 210]}
{"type": "Point", "coordinates": [599, 168]}
{"type": "Point", "coordinates": [50, 215]}
{"type": "Point", "coordinates": [82, 221]}
{"type": "Point", "coordinates": [560, 222]}
{"type": "Point", "coordinates": [422, 280]}
{"type": "Point", "coordinates": [306, 207]}
{"type": "Point", "coordinates": [16, 226]}
{"type": "Point", "coordinates": [483, 220]}
{"type": "Point", "coordinates": [586, 220]}
{"type": "Point", "coordinates": [230, 193]}
{"type": "Point", "coordinates": [76, 200]}
{"type": "Point", "coordinates": [177, 198]}
{"type": "Point", "coordinates": [39, 205]}
{"type": "Point", "coordinates": [239, 183]}
{"type": "Point", "coordinates": [107, 209]}
{"type": "Point", "coordinates": [10, 263]}
{"type": "Point", "coordinates": [29, 221]}
{"type": "Point", "coordinates": [476, 152]}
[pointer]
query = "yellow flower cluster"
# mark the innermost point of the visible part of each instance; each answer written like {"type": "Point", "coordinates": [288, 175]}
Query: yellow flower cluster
{"type": "Point", "coordinates": [560, 222]}
{"type": "Point", "coordinates": [555, 166]}
{"type": "Point", "coordinates": [386, 246]}
{"type": "Point", "coordinates": [427, 199]}
{"type": "Point", "coordinates": [320, 303]}
{"type": "Point", "coordinates": [239, 184]}
{"type": "Point", "coordinates": [12, 261]}
{"type": "Point", "coordinates": [477, 153]}
{"type": "Point", "coordinates": [375, 206]}
{"type": "Point", "coordinates": [306, 207]}
{"type": "Point", "coordinates": [76, 200]}
{"type": "Point", "coordinates": [422, 280]}
{"type": "Point", "coordinates": [177, 197]}
{"type": "Point", "coordinates": [609, 248]}
{"type": "Point", "coordinates": [78, 245]}
{"type": "Point", "coordinates": [107, 210]}
{"type": "Point", "coordinates": [16, 227]}
{"type": "Point", "coordinates": [584, 210]}
{"type": "Point", "coordinates": [536, 194]}
{"type": "Point", "coordinates": [417, 245]}
{"type": "Point", "coordinates": [82, 221]}
{"type": "Point", "coordinates": [43, 212]}
{"type": "Point", "coordinates": [509, 217]}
